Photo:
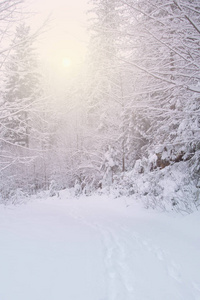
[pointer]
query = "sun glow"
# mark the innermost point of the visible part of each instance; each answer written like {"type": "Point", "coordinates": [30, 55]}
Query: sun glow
{"type": "Point", "coordinates": [66, 62]}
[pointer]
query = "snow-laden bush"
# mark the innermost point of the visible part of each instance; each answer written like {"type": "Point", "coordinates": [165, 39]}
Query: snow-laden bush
{"type": "Point", "coordinates": [53, 189]}
{"type": "Point", "coordinates": [14, 196]}
{"type": "Point", "coordinates": [173, 187]}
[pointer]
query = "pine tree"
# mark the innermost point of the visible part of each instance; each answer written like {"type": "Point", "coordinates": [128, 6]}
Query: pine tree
{"type": "Point", "coordinates": [21, 88]}
{"type": "Point", "coordinates": [104, 91]}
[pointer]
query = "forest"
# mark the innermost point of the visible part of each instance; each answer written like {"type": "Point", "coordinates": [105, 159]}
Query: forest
{"type": "Point", "coordinates": [126, 123]}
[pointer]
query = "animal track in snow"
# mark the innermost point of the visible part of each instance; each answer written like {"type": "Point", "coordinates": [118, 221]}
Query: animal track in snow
{"type": "Point", "coordinates": [196, 285]}
{"type": "Point", "coordinates": [120, 276]}
{"type": "Point", "coordinates": [174, 272]}
{"type": "Point", "coordinates": [148, 245]}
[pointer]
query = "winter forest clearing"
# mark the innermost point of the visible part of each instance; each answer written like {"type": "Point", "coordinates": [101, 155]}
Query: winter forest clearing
{"type": "Point", "coordinates": [107, 124]}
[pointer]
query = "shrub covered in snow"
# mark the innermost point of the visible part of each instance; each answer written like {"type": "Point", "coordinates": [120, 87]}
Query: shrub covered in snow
{"type": "Point", "coordinates": [173, 187]}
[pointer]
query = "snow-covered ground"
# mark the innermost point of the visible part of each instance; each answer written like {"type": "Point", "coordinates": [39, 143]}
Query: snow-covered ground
{"type": "Point", "coordinates": [97, 248]}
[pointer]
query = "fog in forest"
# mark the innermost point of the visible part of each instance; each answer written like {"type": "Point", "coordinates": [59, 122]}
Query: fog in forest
{"type": "Point", "coordinates": [101, 97]}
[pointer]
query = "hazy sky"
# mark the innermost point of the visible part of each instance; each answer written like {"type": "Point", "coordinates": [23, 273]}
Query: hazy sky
{"type": "Point", "coordinates": [67, 35]}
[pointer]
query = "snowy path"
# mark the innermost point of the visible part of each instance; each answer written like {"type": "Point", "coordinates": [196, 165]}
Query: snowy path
{"type": "Point", "coordinates": [97, 249]}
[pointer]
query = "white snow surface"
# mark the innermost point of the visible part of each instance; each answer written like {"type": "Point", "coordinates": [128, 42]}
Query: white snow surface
{"type": "Point", "coordinates": [97, 248]}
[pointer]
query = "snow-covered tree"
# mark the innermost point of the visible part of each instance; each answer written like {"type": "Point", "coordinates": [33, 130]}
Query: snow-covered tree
{"type": "Point", "coordinates": [104, 89]}
{"type": "Point", "coordinates": [10, 13]}
{"type": "Point", "coordinates": [162, 116]}
{"type": "Point", "coordinates": [21, 88]}
{"type": "Point", "coordinates": [164, 38]}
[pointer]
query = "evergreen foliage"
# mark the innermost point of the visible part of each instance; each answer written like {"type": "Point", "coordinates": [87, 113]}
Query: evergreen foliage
{"type": "Point", "coordinates": [21, 88]}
